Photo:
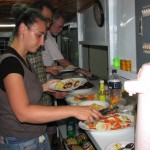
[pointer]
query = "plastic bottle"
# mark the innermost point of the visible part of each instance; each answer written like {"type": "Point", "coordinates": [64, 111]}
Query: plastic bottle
{"type": "Point", "coordinates": [102, 92]}
{"type": "Point", "coordinates": [71, 128]}
{"type": "Point", "coordinates": [114, 88]}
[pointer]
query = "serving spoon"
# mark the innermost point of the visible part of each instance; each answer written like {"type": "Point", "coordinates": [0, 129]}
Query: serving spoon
{"type": "Point", "coordinates": [129, 145]}
{"type": "Point", "coordinates": [107, 110]}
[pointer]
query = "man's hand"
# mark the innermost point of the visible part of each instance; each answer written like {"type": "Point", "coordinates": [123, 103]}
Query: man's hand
{"type": "Point", "coordinates": [53, 69]}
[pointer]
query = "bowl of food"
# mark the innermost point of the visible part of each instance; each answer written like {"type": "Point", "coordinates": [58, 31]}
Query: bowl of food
{"type": "Point", "coordinates": [96, 104]}
{"type": "Point", "coordinates": [74, 98]}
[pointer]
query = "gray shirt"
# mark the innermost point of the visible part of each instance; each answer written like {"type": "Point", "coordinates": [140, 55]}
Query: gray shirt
{"type": "Point", "coordinates": [9, 125]}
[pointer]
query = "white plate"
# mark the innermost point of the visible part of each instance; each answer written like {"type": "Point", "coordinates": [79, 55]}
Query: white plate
{"type": "Point", "coordinates": [67, 69]}
{"type": "Point", "coordinates": [82, 91]}
{"type": "Point", "coordinates": [123, 143]}
{"type": "Point", "coordinates": [83, 126]}
{"type": "Point", "coordinates": [87, 103]}
{"type": "Point", "coordinates": [82, 81]}
{"type": "Point", "coordinates": [70, 99]}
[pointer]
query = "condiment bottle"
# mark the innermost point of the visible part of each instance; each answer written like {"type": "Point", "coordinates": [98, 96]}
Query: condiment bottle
{"type": "Point", "coordinates": [128, 65]}
{"type": "Point", "coordinates": [102, 92]}
{"type": "Point", "coordinates": [114, 88]}
{"type": "Point", "coordinates": [123, 64]}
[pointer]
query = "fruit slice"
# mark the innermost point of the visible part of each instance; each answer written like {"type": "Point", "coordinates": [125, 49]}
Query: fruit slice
{"type": "Point", "coordinates": [103, 126]}
{"type": "Point", "coordinates": [116, 126]}
{"type": "Point", "coordinates": [123, 118]}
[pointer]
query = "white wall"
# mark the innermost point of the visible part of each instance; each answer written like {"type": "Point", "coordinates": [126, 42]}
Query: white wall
{"type": "Point", "coordinates": [118, 32]}
{"type": "Point", "coordinates": [92, 33]}
{"type": "Point", "coordinates": [122, 34]}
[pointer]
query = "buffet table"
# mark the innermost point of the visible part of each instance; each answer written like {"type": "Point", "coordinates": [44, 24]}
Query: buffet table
{"type": "Point", "coordinates": [102, 139]}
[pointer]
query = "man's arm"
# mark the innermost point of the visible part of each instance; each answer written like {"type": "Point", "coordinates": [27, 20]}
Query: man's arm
{"type": "Point", "coordinates": [53, 69]}
{"type": "Point", "coordinates": [66, 63]}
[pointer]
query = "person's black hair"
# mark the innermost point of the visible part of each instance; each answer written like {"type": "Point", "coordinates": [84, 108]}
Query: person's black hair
{"type": "Point", "coordinates": [40, 4]}
{"type": "Point", "coordinates": [24, 14]}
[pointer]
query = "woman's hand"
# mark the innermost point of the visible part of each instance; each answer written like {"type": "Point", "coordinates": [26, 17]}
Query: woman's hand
{"type": "Point", "coordinates": [86, 113]}
{"type": "Point", "coordinates": [47, 84]}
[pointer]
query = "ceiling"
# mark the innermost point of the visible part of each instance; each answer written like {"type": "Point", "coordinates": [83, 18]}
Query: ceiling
{"type": "Point", "coordinates": [69, 7]}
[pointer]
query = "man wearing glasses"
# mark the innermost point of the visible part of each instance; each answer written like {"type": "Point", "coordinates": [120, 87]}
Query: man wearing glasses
{"type": "Point", "coordinates": [52, 54]}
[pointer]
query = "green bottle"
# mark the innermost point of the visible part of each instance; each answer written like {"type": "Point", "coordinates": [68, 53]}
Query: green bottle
{"type": "Point", "coordinates": [71, 128]}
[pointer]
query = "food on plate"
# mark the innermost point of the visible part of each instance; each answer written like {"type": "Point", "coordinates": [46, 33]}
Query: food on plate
{"type": "Point", "coordinates": [77, 83]}
{"type": "Point", "coordinates": [122, 145]}
{"type": "Point", "coordinates": [111, 122]}
{"type": "Point", "coordinates": [97, 106]}
{"type": "Point", "coordinates": [68, 84]}
{"type": "Point", "coordinates": [59, 85]}
{"type": "Point", "coordinates": [87, 85]}
{"type": "Point", "coordinates": [86, 97]}
{"type": "Point", "coordinates": [70, 66]}
{"type": "Point", "coordinates": [117, 146]}
{"type": "Point", "coordinates": [81, 97]}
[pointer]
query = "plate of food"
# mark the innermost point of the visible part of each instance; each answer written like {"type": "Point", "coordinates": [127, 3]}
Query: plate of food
{"type": "Point", "coordinates": [67, 69]}
{"type": "Point", "coordinates": [109, 123]}
{"type": "Point", "coordinates": [67, 84]}
{"type": "Point", "coordinates": [120, 144]}
{"type": "Point", "coordinates": [77, 98]}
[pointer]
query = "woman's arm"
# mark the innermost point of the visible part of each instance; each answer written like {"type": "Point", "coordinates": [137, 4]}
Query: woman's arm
{"type": "Point", "coordinates": [26, 112]}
